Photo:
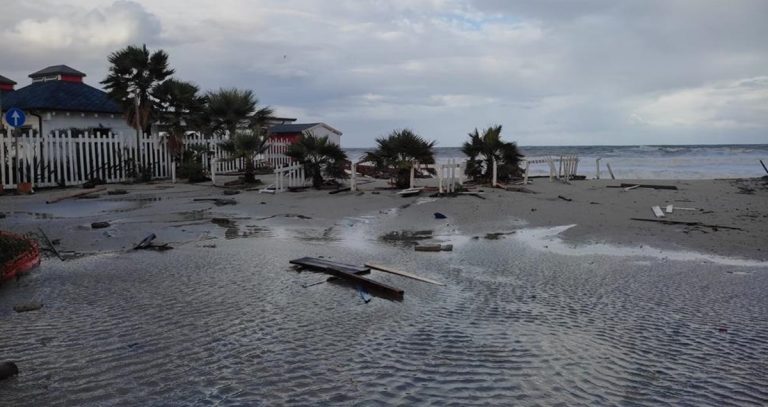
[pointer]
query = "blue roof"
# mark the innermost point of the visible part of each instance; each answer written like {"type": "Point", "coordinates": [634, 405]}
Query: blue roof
{"type": "Point", "coordinates": [61, 96]}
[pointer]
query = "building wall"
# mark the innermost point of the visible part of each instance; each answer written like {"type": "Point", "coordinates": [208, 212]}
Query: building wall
{"type": "Point", "coordinates": [66, 120]}
{"type": "Point", "coordinates": [322, 131]}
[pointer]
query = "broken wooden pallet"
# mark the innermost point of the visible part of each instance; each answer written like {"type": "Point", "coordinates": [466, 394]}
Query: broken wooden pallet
{"type": "Point", "coordinates": [350, 273]}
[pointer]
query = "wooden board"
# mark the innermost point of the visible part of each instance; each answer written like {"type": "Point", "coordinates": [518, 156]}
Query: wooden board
{"type": "Point", "coordinates": [401, 273]}
{"type": "Point", "coordinates": [670, 208]}
{"type": "Point", "coordinates": [322, 264]}
{"type": "Point", "coordinates": [657, 211]}
{"type": "Point", "coordinates": [374, 286]}
{"type": "Point", "coordinates": [672, 187]}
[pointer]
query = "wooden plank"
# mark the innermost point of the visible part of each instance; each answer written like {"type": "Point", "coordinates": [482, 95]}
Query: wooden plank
{"type": "Point", "coordinates": [81, 193]}
{"type": "Point", "coordinates": [657, 211]}
{"type": "Point", "coordinates": [672, 187]}
{"type": "Point", "coordinates": [322, 264]}
{"type": "Point", "coordinates": [670, 208]}
{"type": "Point", "coordinates": [676, 222]}
{"type": "Point", "coordinates": [632, 187]}
{"type": "Point", "coordinates": [401, 273]}
{"type": "Point", "coordinates": [374, 286]}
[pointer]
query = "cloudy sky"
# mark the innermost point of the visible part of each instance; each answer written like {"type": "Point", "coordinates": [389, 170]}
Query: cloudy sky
{"type": "Point", "coordinates": [552, 72]}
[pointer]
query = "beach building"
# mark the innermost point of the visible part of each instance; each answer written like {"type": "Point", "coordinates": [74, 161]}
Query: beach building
{"type": "Point", "coordinates": [290, 132]}
{"type": "Point", "coordinates": [58, 99]}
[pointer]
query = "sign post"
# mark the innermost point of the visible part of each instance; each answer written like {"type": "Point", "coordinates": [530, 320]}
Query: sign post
{"type": "Point", "coordinates": [16, 118]}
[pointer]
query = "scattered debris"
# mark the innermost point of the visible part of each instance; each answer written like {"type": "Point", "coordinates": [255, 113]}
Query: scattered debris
{"type": "Point", "coordinates": [375, 192]}
{"type": "Point", "coordinates": [672, 187]}
{"type": "Point", "coordinates": [50, 244]}
{"type": "Point", "coordinates": [427, 248]}
{"type": "Point", "coordinates": [269, 189]}
{"type": "Point", "coordinates": [75, 195]}
{"type": "Point", "coordinates": [231, 192]}
{"type": "Point", "coordinates": [675, 222]}
{"type": "Point", "coordinates": [336, 191]}
{"type": "Point", "coordinates": [146, 244]}
{"type": "Point", "coordinates": [363, 293]}
{"type": "Point", "coordinates": [222, 221]}
{"type": "Point", "coordinates": [657, 211]}
{"type": "Point", "coordinates": [631, 187]}
{"type": "Point", "coordinates": [439, 215]}
{"type": "Point", "coordinates": [409, 192]}
{"type": "Point", "coordinates": [564, 198]}
{"type": "Point", "coordinates": [2, 215]}
{"type": "Point", "coordinates": [217, 201]}
{"type": "Point", "coordinates": [7, 370]}
{"type": "Point", "coordinates": [32, 306]}
{"type": "Point", "coordinates": [321, 264]}
{"type": "Point", "coordinates": [497, 235]}
{"type": "Point", "coordinates": [594, 203]}
{"type": "Point", "coordinates": [670, 208]}
{"type": "Point", "coordinates": [446, 248]}
{"type": "Point", "coordinates": [763, 164]}
{"type": "Point", "coordinates": [99, 225]}
{"type": "Point", "coordinates": [117, 192]}
{"type": "Point", "coordinates": [387, 269]}
{"type": "Point", "coordinates": [350, 273]}
{"type": "Point", "coordinates": [521, 189]}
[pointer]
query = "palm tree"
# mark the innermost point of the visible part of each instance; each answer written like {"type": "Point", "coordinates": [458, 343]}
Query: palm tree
{"type": "Point", "coordinates": [398, 152]}
{"type": "Point", "coordinates": [246, 146]}
{"type": "Point", "coordinates": [319, 156]}
{"type": "Point", "coordinates": [233, 114]}
{"type": "Point", "coordinates": [133, 76]}
{"type": "Point", "coordinates": [179, 109]}
{"type": "Point", "coordinates": [483, 149]}
{"type": "Point", "coordinates": [231, 110]}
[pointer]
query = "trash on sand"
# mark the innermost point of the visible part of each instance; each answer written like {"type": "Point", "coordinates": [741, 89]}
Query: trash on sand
{"type": "Point", "coordinates": [446, 248]}
{"type": "Point", "coordinates": [32, 306]}
{"type": "Point", "coordinates": [439, 215]}
{"type": "Point", "coordinates": [652, 186]}
{"type": "Point", "coordinates": [8, 369]}
{"type": "Point", "coordinates": [75, 195]}
{"type": "Point", "coordinates": [363, 293]}
{"type": "Point", "coordinates": [336, 191]}
{"type": "Point", "coordinates": [222, 221]}
{"type": "Point", "coordinates": [409, 192]}
{"type": "Point", "coordinates": [388, 269]}
{"type": "Point", "coordinates": [657, 211]}
{"type": "Point", "coordinates": [428, 248]}
{"type": "Point", "coordinates": [217, 201]}
{"type": "Point", "coordinates": [99, 225]}
{"type": "Point", "coordinates": [117, 192]}
{"type": "Point", "coordinates": [350, 273]}
{"type": "Point", "coordinates": [564, 198]}
{"type": "Point", "coordinates": [146, 244]}
{"type": "Point", "coordinates": [675, 222]}
{"type": "Point", "coordinates": [231, 192]}
{"type": "Point", "coordinates": [631, 187]}
{"type": "Point", "coordinates": [51, 245]}
{"type": "Point", "coordinates": [670, 208]}
{"type": "Point", "coordinates": [269, 189]}
{"type": "Point", "coordinates": [321, 264]}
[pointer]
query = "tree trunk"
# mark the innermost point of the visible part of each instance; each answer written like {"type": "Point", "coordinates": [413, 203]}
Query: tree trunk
{"type": "Point", "coordinates": [249, 176]}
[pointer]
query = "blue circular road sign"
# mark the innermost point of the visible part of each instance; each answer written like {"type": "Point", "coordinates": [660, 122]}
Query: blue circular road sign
{"type": "Point", "coordinates": [15, 117]}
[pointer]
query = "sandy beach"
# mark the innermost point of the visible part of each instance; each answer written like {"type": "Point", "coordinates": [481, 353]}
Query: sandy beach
{"type": "Point", "coordinates": [545, 300]}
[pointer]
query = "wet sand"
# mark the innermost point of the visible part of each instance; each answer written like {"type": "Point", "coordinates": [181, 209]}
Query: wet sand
{"type": "Point", "coordinates": [609, 311]}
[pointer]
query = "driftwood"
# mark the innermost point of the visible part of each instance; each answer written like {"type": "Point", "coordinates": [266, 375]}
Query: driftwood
{"type": "Point", "coordinates": [50, 244]}
{"type": "Point", "coordinates": [75, 195]}
{"type": "Point", "coordinates": [322, 264]}
{"type": "Point", "coordinates": [564, 198]}
{"type": "Point", "coordinates": [336, 191]}
{"type": "Point", "coordinates": [520, 189]}
{"type": "Point", "coordinates": [677, 222]}
{"type": "Point", "coordinates": [763, 164]}
{"type": "Point", "coordinates": [672, 187]}
{"type": "Point", "coordinates": [217, 201]}
{"type": "Point", "coordinates": [402, 273]}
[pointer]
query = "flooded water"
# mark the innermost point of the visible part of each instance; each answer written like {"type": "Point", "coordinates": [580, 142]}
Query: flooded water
{"type": "Point", "coordinates": [516, 324]}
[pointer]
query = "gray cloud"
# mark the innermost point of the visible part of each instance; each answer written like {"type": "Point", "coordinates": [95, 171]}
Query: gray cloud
{"type": "Point", "coordinates": [552, 71]}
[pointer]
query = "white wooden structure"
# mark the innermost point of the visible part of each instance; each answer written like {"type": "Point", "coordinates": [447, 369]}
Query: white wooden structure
{"type": "Point", "coordinates": [568, 165]}
{"type": "Point", "coordinates": [64, 158]}
{"type": "Point", "coordinates": [290, 176]}
{"type": "Point", "coordinates": [450, 174]}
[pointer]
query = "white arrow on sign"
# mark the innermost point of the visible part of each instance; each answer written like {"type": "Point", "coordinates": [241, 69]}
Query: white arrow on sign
{"type": "Point", "coordinates": [15, 116]}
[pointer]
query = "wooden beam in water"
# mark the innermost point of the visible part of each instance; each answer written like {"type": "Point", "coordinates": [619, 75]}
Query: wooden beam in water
{"type": "Point", "coordinates": [322, 264]}
{"type": "Point", "coordinates": [374, 286]}
{"type": "Point", "coordinates": [402, 273]}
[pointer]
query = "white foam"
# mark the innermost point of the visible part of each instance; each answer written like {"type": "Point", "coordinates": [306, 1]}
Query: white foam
{"type": "Point", "coordinates": [548, 239]}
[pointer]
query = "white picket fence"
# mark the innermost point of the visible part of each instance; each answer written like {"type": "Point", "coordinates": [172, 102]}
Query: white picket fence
{"type": "Point", "coordinates": [568, 165]}
{"type": "Point", "coordinates": [290, 176]}
{"type": "Point", "coordinates": [64, 158]}
{"type": "Point", "coordinates": [219, 161]}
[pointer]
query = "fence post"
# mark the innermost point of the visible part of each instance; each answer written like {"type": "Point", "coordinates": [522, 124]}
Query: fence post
{"type": "Point", "coordinates": [610, 171]}
{"type": "Point", "coordinates": [597, 166]}
{"type": "Point", "coordinates": [413, 170]}
{"type": "Point", "coordinates": [353, 178]}
{"type": "Point", "coordinates": [495, 167]}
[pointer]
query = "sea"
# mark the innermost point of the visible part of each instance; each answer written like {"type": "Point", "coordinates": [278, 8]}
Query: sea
{"type": "Point", "coordinates": [641, 162]}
